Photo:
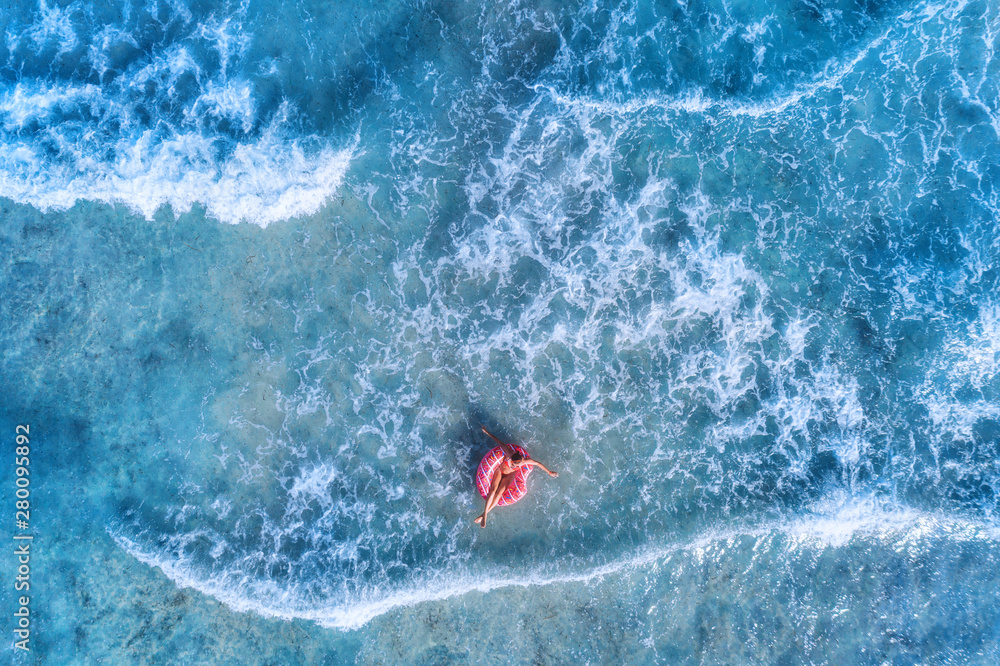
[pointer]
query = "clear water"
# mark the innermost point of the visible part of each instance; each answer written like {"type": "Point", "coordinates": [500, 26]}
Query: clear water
{"type": "Point", "coordinates": [730, 267]}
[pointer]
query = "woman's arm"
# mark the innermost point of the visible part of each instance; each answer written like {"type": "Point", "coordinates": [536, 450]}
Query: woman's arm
{"type": "Point", "coordinates": [506, 447]}
{"type": "Point", "coordinates": [544, 468]}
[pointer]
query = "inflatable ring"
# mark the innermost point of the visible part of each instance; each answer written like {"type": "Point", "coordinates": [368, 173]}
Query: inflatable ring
{"type": "Point", "coordinates": [484, 475]}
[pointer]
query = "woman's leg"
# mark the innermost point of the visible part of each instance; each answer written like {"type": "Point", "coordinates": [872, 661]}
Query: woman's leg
{"type": "Point", "coordinates": [494, 485]}
{"type": "Point", "coordinates": [501, 489]}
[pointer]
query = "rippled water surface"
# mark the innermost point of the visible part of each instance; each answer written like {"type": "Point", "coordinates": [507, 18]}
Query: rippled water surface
{"type": "Point", "coordinates": [731, 268]}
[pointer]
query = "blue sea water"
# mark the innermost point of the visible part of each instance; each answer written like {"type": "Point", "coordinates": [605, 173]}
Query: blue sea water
{"type": "Point", "coordinates": [730, 267]}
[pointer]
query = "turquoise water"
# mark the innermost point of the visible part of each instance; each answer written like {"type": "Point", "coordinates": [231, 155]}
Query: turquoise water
{"type": "Point", "coordinates": [731, 268]}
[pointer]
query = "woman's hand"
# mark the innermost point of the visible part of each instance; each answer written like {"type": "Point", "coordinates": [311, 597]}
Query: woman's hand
{"type": "Point", "coordinates": [553, 473]}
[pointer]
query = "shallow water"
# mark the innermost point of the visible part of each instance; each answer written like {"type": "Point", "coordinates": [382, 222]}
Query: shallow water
{"type": "Point", "coordinates": [730, 268]}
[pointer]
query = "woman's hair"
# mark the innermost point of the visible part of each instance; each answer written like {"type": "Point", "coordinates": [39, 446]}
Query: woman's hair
{"type": "Point", "coordinates": [515, 456]}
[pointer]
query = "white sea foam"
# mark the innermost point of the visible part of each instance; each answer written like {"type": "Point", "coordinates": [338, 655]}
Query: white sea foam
{"type": "Point", "coordinates": [263, 182]}
{"type": "Point", "coordinates": [260, 181]}
{"type": "Point", "coordinates": [26, 105]}
{"type": "Point", "coordinates": [169, 128]}
{"type": "Point", "coordinates": [956, 387]}
{"type": "Point", "coordinates": [53, 24]}
{"type": "Point", "coordinates": [695, 101]}
{"type": "Point", "coordinates": [837, 522]}
{"type": "Point", "coordinates": [831, 77]}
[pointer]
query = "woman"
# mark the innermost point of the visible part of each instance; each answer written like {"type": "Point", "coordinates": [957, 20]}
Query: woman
{"type": "Point", "coordinates": [503, 475]}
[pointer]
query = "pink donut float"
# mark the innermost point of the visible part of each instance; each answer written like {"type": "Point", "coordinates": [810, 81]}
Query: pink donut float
{"type": "Point", "coordinates": [484, 475]}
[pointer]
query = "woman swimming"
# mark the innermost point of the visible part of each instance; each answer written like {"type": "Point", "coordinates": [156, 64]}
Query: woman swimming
{"type": "Point", "coordinates": [503, 475]}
